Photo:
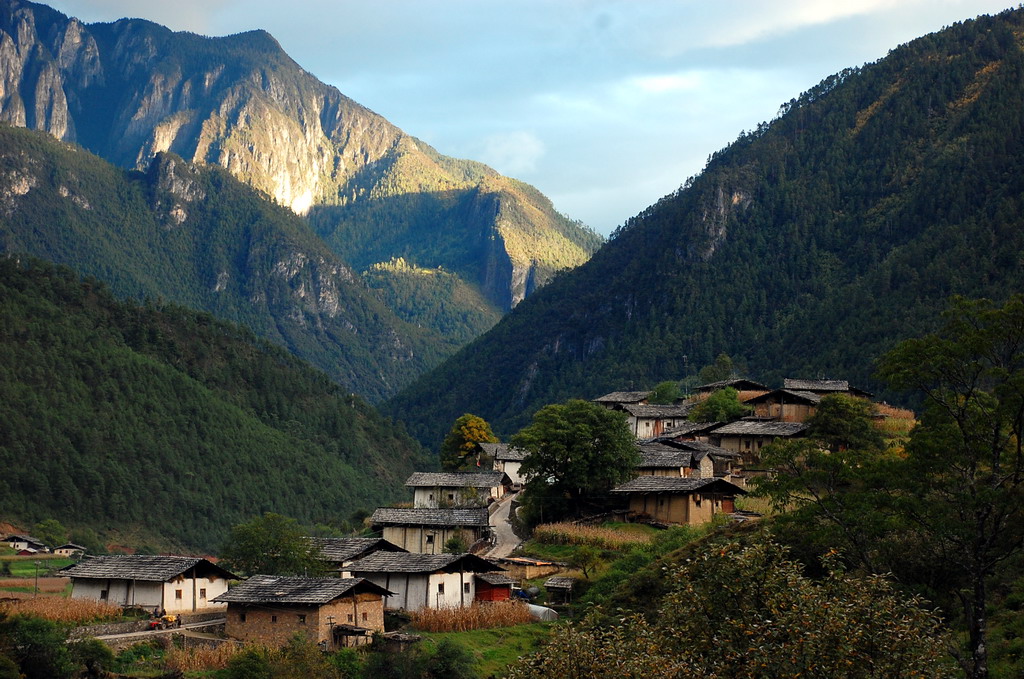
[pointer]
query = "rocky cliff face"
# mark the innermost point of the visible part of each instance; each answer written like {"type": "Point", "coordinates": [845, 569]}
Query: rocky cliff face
{"type": "Point", "coordinates": [131, 90]}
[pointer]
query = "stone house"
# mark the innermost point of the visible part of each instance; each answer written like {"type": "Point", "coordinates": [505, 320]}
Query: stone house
{"type": "Point", "coordinates": [745, 389]}
{"type": "Point", "coordinates": [424, 580]}
{"type": "Point", "coordinates": [617, 398]}
{"type": "Point", "coordinates": [689, 459]}
{"type": "Point", "coordinates": [786, 405]}
{"type": "Point", "coordinates": [432, 490]}
{"type": "Point", "coordinates": [331, 612]}
{"type": "Point", "coordinates": [425, 531]}
{"type": "Point", "coordinates": [747, 437]}
{"type": "Point", "coordinates": [649, 421]}
{"type": "Point", "coordinates": [176, 584]}
{"type": "Point", "coordinates": [506, 459]}
{"type": "Point", "coordinates": [677, 500]}
{"type": "Point", "coordinates": [340, 552]}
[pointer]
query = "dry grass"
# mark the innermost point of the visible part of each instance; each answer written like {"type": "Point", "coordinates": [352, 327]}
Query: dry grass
{"type": "Point", "coordinates": [897, 422]}
{"type": "Point", "coordinates": [200, 658]}
{"type": "Point", "coordinates": [478, 616]}
{"type": "Point", "coordinates": [50, 585]}
{"type": "Point", "coordinates": [63, 610]}
{"type": "Point", "coordinates": [571, 534]}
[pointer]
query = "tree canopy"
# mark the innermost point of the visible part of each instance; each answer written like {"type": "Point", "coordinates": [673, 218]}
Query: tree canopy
{"type": "Point", "coordinates": [461, 447]}
{"type": "Point", "coordinates": [271, 545]}
{"type": "Point", "coordinates": [577, 452]}
{"type": "Point", "coordinates": [721, 406]}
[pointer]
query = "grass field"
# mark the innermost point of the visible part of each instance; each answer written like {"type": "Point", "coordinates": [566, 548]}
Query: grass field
{"type": "Point", "coordinates": [495, 649]}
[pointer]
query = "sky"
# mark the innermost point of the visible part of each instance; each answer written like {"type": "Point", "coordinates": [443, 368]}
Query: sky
{"type": "Point", "coordinates": [603, 105]}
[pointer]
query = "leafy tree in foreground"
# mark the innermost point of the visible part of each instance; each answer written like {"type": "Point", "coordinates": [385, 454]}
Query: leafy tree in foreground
{"type": "Point", "coordinates": [722, 406]}
{"type": "Point", "coordinates": [271, 545]}
{"type": "Point", "coordinates": [460, 447]}
{"type": "Point", "coordinates": [665, 393]}
{"type": "Point", "coordinates": [746, 613]}
{"type": "Point", "coordinates": [578, 451]}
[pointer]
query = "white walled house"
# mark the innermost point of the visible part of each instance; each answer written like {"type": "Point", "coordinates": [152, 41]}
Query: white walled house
{"type": "Point", "coordinates": [424, 580]}
{"type": "Point", "coordinates": [432, 490]}
{"type": "Point", "coordinates": [176, 584]}
{"type": "Point", "coordinates": [507, 459]}
{"type": "Point", "coordinates": [425, 531]}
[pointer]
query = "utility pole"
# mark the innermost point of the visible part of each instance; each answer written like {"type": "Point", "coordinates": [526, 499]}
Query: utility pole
{"type": "Point", "coordinates": [35, 590]}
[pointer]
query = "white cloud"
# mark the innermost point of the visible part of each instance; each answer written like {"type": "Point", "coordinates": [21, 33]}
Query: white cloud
{"type": "Point", "coordinates": [512, 153]}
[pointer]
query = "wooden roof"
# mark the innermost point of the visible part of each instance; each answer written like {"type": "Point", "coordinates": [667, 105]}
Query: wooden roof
{"type": "Point", "coordinates": [504, 452]}
{"type": "Point", "coordinates": [494, 578]}
{"type": "Point", "coordinates": [345, 549]}
{"type": "Point", "coordinates": [760, 428]}
{"type": "Point", "coordinates": [272, 589]}
{"type": "Point", "coordinates": [739, 384]}
{"type": "Point", "coordinates": [398, 562]}
{"type": "Point", "coordinates": [488, 479]}
{"type": "Point", "coordinates": [657, 411]}
{"type": "Point", "coordinates": [559, 582]}
{"type": "Point", "coordinates": [623, 397]}
{"type": "Point", "coordinates": [677, 485]}
{"type": "Point", "coordinates": [419, 516]}
{"type": "Point", "coordinates": [788, 395]}
{"type": "Point", "coordinates": [142, 567]}
{"type": "Point", "coordinates": [826, 386]}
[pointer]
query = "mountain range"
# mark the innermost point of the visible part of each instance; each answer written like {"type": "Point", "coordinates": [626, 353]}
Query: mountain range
{"type": "Point", "coordinates": [131, 90]}
{"type": "Point", "coordinates": [806, 248]}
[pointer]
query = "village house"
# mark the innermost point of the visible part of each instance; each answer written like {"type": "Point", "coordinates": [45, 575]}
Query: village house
{"type": "Point", "coordinates": [506, 459]}
{"type": "Point", "coordinates": [425, 531]}
{"type": "Point", "coordinates": [331, 612]}
{"type": "Point", "coordinates": [340, 552]}
{"type": "Point", "coordinates": [648, 421]}
{"type": "Point", "coordinates": [424, 580]}
{"type": "Point", "coordinates": [689, 431]}
{"type": "Point", "coordinates": [175, 584]}
{"type": "Point", "coordinates": [824, 387]}
{"type": "Point", "coordinates": [457, 489]}
{"type": "Point", "coordinates": [677, 500]}
{"type": "Point", "coordinates": [69, 549]}
{"type": "Point", "coordinates": [24, 543]}
{"type": "Point", "coordinates": [691, 459]}
{"type": "Point", "coordinates": [747, 437]}
{"type": "Point", "coordinates": [745, 389]}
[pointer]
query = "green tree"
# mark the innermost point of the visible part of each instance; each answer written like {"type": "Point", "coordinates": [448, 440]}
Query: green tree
{"type": "Point", "coordinates": [38, 646]}
{"type": "Point", "coordinates": [456, 544]}
{"type": "Point", "coordinates": [51, 532]}
{"type": "Point", "coordinates": [961, 485]}
{"type": "Point", "coordinates": [665, 393]}
{"type": "Point", "coordinates": [722, 406]}
{"type": "Point", "coordinates": [721, 369]}
{"type": "Point", "coordinates": [461, 445]}
{"type": "Point", "coordinates": [750, 612]}
{"type": "Point", "coordinates": [841, 422]}
{"type": "Point", "coordinates": [271, 545]}
{"type": "Point", "coordinates": [577, 452]}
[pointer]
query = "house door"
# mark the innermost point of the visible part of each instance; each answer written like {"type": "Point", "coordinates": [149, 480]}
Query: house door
{"type": "Point", "coordinates": [728, 505]}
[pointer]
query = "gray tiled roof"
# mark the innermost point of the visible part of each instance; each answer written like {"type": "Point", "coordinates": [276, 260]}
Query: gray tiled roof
{"type": "Point", "coordinates": [495, 578]}
{"type": "Point", "coordinates": [141, 567]}
{"type": "Point", "coordinates": [738, 384]}
{"type": "Point", "coordinates": [688, 428]}
{"type": "Point", "coordinates": [657, 455]}
{"type": "Point", "coordinates": [673, 484]}
{"type": "Point", "coordinates": [815, 385]}
{"type": "Point", "coordinates": [755, 428]}
{"type": "Point", "coordinates": [623, 397]}
{"type": "Point", "coordinates": [559, 582]}
{"type": "Point", "coordinates": [681, 410]}
{"type": "Point", "coordinates": [271, 589]}
{"type": "Point", "coordinates": [702, 448]}
{"type": "Point", "coordinates": [503, 451]}
{"type": "Point", "coordinates": [344, 549]}
{"type": "Point", "coordinates": [808, 396]}
{"type": "Point", "coordinates": [456, 479]}
{"type": "Point", "coordinates": [398, 562]}
{"type": "Point", "coordinates": [416, 516]}
{"type": "Point", "coordinates": [23, 538]}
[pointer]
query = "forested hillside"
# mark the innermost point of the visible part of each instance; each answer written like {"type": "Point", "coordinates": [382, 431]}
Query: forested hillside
{"type": "Point", "coordinates": [168, 425]}
{"type": "Point", "coordinates": [196, 236]}
{"type": "Point", "coordinates": [132, 89]}
{"type": "Point", "coordinates": [804, 249]}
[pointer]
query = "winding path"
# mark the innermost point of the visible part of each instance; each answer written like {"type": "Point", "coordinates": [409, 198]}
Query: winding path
{"type": "Point", "coordinates": [505, 540]}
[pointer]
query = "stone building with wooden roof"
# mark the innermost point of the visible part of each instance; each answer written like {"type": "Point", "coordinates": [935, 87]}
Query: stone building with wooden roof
{"type": "Point", "coordinates": [745, 389]}
{"type": "Point", "coordinates": [175, 584]}
{"type": "Point", "coordinates": [457, 489]}
{"type": "Point", "coordinates": [424, 580]}
{"type": "Point", "coordinates": [824, 387]}
{"type": "Point", "coordinates": [617, 398]}
{"type": "Point", "coordinates": [691, 459]}
{"type": "Point", "coordinates": [425, 531]}
{"type": "Point", "coordinates": [331, 612]}
{"type": "Point", "coordinates": [786, 405]}
{"type": "Point", "coordinates": [677, 500]}
{"type": "Point", "coordinates": [648, 421]}
{"type": "Point", "coordinates": [340, 552]}
{"type": "Point", "coordinates": [747, 437]}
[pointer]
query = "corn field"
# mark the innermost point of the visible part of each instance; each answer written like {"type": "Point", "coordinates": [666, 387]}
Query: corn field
{"type": "Point", "coordinates": [898, 421]}
{"type": "Point", "coordinates": [60, 609]}
{"type": "Point", "coordinates": [477, 616]}
{"type": "Point", "coordinates": [571, 534]}
{"type": "Point", "coordinates": [51, 585]}
{"type": "Point", "coordinates": [200, 657]}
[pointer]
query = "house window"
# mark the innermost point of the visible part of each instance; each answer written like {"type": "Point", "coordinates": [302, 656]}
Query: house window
{"type": "Point", "coordinates": [746, 444]}
{"type": "Point", "coordinates": [430, 539]}
{"type": "Point", "coordinates": [451, 496]}
{"type": "Point", "coordinates": [202, 593]}
{"type": "Point", "coordinates": [177, 594]}
{"type": "Point", "coordinates": [440, 588]}
{"type": "Point", "coordinates": [430, 497]}
{"type": "Point", "coordinates": [350, 618]}
{"type": "Point", "coordinates": [365, 616]}
{"type": "Point", "coordinates": [696, 500]}
{"type": "Point", "coordinates": [241, 617]}
{"type": "Point", "coordinates": [302, 618]}
{"type": "Point", "coordinates": [103, 595]}
{"type": "Point", "coordinates": [273, 618]}
{"type": "Point", "coordinates": [465, 587]}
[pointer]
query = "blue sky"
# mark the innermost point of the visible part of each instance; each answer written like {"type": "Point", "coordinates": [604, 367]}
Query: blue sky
{"type": "Point", "coordinates": [604, 105]}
